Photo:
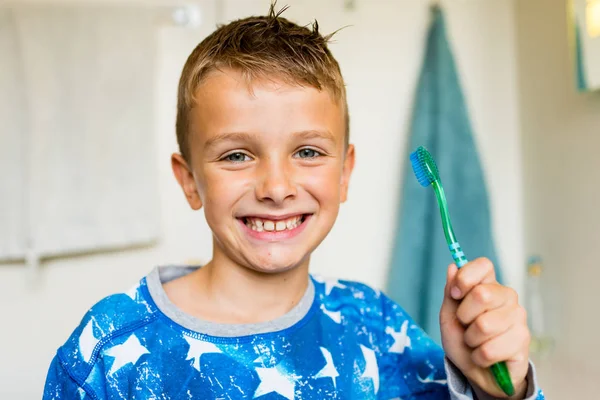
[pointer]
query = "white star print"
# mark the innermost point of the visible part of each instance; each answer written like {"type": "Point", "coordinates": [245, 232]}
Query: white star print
{"type": "Point", "coordinates": [430, 379]}
{"type": "Point", "coordinates": [401, 339]}
{"type": "Point", "coordinates": [87, 341]}
{"type": "Point", "coordinates": [259, 360]}
{"type": "Point", "coordinates": [197, 348]}
{"type": "Point", "coordinates": [329, 284]}
{"type": "Point", "coordinates": [128, 352]}
{"type": "Point", "coordinates": [336, 316]}
{"type": "Point", "coordinates": [328, 371]}
{"type": "Point", "coordinates": [371, 368]}
{"type": "Point", "coordinates": [273, 380]}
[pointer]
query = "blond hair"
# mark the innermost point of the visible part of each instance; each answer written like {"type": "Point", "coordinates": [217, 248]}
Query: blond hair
{"type": "Point", "coordinates": [261, 47]}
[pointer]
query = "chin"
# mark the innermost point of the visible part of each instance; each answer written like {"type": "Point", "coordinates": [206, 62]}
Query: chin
{"type": "Point", "coordinates": [273, 270]}
{"type": "Point", "coordinates": [275, 266]}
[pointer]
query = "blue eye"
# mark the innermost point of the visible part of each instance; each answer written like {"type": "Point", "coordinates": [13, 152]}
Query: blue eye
{"type": "Point", "coordinates": [308, 153]}
{"type": "Point", "coordinates": [237, 157]}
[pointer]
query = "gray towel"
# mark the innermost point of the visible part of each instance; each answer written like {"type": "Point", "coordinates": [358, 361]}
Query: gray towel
{"type": "Point", "coordinates": [88, 78]}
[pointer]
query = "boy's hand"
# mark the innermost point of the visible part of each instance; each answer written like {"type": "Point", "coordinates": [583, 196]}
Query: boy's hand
{"type": "Point", "coordinates": [482, 323]}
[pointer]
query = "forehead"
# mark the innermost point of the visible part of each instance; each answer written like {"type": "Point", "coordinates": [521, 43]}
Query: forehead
{"type": "Point", "coordinates": [227, 102]}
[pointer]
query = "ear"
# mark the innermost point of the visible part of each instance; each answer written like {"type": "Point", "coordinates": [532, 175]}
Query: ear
{"type": "Point", "coordinates": [185, 178]}
{"type": "Point", "coordinates": [346, 172]}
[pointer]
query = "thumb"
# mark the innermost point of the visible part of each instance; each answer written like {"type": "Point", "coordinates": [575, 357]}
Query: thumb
{"type": "Point", "coordinates": [449, 305]}
{"type": "Point", "coordinates": [450, 327]}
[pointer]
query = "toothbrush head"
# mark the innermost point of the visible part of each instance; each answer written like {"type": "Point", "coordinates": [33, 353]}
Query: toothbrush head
{"type": "Point", "coordinates": [424, 167]}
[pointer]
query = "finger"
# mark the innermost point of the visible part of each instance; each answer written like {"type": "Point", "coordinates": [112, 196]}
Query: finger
{"type": "Point", "coordinates": [482, 298]}
{"type": "Point", "coordinates": [473, 273]}
{"type": "Point", "coordinates": [510, 346]}
{"type": "Point", "coordinates": [493, 323]}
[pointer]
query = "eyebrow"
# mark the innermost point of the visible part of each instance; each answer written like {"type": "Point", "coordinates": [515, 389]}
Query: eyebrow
{"type": "Point", "coordinates": [228, 137]}
{"type": "Point", "coordinates": [246, 137]}
{"type": "Point", "coordinates": [315, 134]}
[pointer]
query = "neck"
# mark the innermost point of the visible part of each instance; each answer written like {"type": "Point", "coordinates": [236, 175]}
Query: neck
{"type": "Point", "coordinates": [243, 295]}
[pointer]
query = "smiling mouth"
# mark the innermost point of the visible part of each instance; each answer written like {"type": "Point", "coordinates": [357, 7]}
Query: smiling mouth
{"type": "Point", "coordinates": [267, 225]}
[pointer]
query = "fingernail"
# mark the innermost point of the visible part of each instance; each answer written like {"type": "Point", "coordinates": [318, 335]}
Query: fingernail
{"type": "Point", "coordinates": [455, 292]}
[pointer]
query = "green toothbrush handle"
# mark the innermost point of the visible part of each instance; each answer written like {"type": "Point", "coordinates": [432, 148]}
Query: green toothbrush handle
{"type": "Point", "coordinates": [499, 370]}
{"type": "Point", "coordinates": [502, 376]}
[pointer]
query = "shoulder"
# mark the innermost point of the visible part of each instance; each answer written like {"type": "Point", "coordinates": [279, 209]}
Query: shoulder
{"type": "Point", "coordinates": [331, 290]}
{"type": "Point", "coordinates": [383, 330]}
{"type": "Point", "coordinates": [111, 317]}
{"type": "Point", "coordinates": [358, 299]}
{"type": "Point", "coordinates": [368, 309]}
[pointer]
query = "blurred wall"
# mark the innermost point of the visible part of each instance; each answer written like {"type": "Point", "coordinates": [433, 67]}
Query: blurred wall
{"type": "Point", "coordinates": [561, 139]}
{"type": "Point", "coordinates": [380, 54]}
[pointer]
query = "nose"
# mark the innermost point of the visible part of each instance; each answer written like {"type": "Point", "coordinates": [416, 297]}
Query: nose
{"type": "Point", "coordinates": [275, 183]}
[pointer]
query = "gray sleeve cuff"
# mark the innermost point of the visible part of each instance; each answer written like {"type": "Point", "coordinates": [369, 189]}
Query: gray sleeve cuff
{"type": "Point", "coordinates": [460, 389]}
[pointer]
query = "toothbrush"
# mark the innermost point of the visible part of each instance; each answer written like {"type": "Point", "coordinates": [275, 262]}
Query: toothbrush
{"type": "Point", "coordinates": [427, 174]}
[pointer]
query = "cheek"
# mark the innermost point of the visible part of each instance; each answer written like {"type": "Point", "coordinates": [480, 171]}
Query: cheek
{"type": "Point", "coordinates": [324, 185]}
{"type": "Point", "coordinates": [219, 191]}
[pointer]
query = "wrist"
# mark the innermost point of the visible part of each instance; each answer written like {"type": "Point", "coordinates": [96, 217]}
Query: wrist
{"type": "Point", "coordinates": [520, 390]}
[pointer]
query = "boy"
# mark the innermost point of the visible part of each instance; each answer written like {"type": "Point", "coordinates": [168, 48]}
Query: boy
{"type": "Point", "coordinates": [262, 126]}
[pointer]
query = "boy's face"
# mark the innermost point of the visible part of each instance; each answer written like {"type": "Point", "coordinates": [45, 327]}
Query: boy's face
{"type": "Point", "coordinates": [269, 166]}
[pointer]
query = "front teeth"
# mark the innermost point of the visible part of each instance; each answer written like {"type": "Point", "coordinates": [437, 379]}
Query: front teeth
{"type": "Point", "coordinates": [260, 225]}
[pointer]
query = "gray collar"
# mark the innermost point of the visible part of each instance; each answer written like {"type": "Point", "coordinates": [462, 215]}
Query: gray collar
{"type": "Point", "coordinates": [161, 275]}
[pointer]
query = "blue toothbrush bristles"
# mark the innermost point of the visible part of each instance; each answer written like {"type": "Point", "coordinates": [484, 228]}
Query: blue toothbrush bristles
{"type": "Point", "coordinates": [420, 170]}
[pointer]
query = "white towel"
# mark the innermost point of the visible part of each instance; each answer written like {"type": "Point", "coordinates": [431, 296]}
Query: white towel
{"type": "Point", "coordinates": [89, 78]}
